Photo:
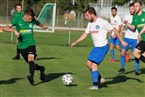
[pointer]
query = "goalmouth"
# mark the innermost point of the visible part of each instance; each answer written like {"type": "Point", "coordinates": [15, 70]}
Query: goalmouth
{"type": "Point", "coordinates": [47, 17]}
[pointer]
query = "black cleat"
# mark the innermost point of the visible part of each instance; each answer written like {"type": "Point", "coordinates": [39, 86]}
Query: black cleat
{"type": "Point", "coordinates": [136, 73]}
{"type": "Point", "coordinates": [16, 58]}
{"type": "Point", "coordinates": [42, 73]}
{"type": "Point", "coordinates": [121, 70]}
{"type": "Point", "coordinates": [31, 80]}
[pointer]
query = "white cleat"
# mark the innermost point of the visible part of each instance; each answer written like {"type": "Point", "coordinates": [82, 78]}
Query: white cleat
{"type": "Point", "coordinates": [102, 80]}
{"type": "Point", "coordinates": [93, 88]}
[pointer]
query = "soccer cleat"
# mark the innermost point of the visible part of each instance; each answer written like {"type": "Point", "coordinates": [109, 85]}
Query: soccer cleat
{"type": "Point", "coordinates": [31, 81]}
{"type": "Point", "coordinates": [102, 80]}
{"type": "Point", "coordinates": [93, 88]}
{"type": "Point", "coordinates": [16, 58]}
{"type": "Point", "coordinates": [121, 70]}
{"type": "Point", "coordinates": [112, 60]}
{"type": "Point", "coordinates": [42, 73]}
{"type": "Point", "coordinates": [127, 57]}
{"type": "Point", "coordinates": [136, 73]}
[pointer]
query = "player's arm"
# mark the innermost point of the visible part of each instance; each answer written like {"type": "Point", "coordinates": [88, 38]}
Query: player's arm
{"type": "Point", "coordinates": [41, 25]}
{"type": "Point", "coordinates": [82, 37]}
{"type": "Point", "coordinates": [119, 36]}
{"type": "Point", "coordinates": [129, 25]}
{"type": "Point", "coordinates": [141, 32]}
{"type": "Point", "coordinates": [11, 30]}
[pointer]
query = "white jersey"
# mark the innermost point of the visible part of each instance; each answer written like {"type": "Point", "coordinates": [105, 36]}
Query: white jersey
{"type": "Point", "coordinates": [115, 22]}
{"type": "Point", "coordinates": [98, 31]}
{"type": "Point", "coordinates": [130, 33]}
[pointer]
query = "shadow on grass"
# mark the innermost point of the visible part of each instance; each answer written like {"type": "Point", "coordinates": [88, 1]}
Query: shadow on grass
{"type": "Point", "coordinates": [132, 59]}
{"type": "Point", "coordinates": [53, 76]}
{"type": "Point", "coordinates": [118, 79]}
{"type": "Point", "coordinates": [47, 58]}
{"type": "Point", "coordinates": [142, 71]}
{"type": "Point", "coordinates": [10, 81]}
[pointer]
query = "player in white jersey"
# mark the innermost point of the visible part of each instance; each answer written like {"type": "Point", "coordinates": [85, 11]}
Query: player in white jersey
{"type": "Point", "coordinates": [98, 29]}
{"type": "Point", "coordinates": [131, 39]}
{"type": "Point", "coordinates": [115, 21]}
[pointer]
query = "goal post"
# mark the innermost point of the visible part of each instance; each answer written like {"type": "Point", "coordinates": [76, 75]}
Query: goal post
{"type": "Point", "coordinates": [47, 17]}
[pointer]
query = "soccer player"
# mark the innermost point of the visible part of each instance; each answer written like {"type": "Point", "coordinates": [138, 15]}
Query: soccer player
{"type": "Point", "coordinates": [115, 21]}
{"type": "Point", "coordinates": [137, 23]}
{"type": "Point", "coordinates": [26, 42]}
{"type": "Point", "coordinates": [131, 39]}
{"type": "Point", "coordinates": [19, 13]}
{"type": "Point", "coordinates": [98, 29]}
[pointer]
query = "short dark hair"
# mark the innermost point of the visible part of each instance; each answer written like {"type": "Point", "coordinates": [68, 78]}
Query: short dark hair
{"type": "Point", "coordinates": [131, 4]}
{"type": "Point", "coordinates": [30, 12]}
{"type": "Point", "coordinates": [114, 8]}
{"type": "Point", "coordinates": [91, 10]}
{"type": "Point", "coordinates": [18, 4]}
{"type": "Point", "coordinates": [138, 1]}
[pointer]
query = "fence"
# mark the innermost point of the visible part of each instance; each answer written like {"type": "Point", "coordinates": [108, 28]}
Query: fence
{"type": "Point", "coordinates": [77, 20]}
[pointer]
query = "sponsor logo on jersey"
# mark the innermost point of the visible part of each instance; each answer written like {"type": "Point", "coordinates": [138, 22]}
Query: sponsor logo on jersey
{"type": "Point", "coordinates": [94, 32]}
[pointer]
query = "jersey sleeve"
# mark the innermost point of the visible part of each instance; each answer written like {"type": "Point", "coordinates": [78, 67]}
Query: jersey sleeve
{"type": "Point", "coordinates": [133, 21]}
{"type": "Point", "coordinates": [106, 25]}
{"type": "Point", "coordinates": [87, 29]}
{"type": "Point", "coordinates": [14, 20]}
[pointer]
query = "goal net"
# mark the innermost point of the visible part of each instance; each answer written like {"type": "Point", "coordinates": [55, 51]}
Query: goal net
{"type": "Point", "coordinates": [47, 17]}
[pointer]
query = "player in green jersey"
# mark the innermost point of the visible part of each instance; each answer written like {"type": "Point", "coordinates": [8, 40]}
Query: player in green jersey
{"type": "Point", "coordinates": [137, 23]}
{"type": "Point", "coordinates": [26, 42]}
{"type": "Point", "coordinates": [19, 13]}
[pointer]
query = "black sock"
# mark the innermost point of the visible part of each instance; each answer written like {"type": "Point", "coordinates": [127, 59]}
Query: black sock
{"type": "Point", "coordinates": [99, 78]}
{"type": "Point", "coordinates": [32, 67]}
{"type": "Point", "coordinates": [142, 58]}
{"type": "Point", "coordinates": [38, 67]}
{"type": "Point", "coordinates": [95, 83]}
{"type": "Point", "coordinates": [18, 52]}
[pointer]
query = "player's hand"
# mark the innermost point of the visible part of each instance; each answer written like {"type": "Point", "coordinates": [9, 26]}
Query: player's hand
{"type": "Point", "coordinates": [17, 33]}
{"type": "Point", "coordinates": [124, 44]}
{"type": "Point", "coordinates": [139, 37]}
{"type": "Point", "coordinates": [73, 44]}
{"type": "Point", "coordinates": [125, 22]}
{"type": "Point", "coordinates": [45, 27]}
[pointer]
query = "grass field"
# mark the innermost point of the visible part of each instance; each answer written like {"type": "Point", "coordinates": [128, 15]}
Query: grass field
{"type": "Point", "coordinates": [59, 58]}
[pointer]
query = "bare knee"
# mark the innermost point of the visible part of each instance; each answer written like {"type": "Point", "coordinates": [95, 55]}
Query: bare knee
{"type": "Point", "coordinates": [89, 64]}
{"type": "Point", "coordinates": [118, 47]}
{"type": "Point", "coordinates": [136, 53]}
{"type": "Point", "coordinates": [30, 57]}
{"type": "Point", "coordinates": [123, 52]}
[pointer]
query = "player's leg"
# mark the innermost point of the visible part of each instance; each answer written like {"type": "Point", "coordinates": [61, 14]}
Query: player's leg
{"type": "Point", "coordinates": [117, 43]}
{"type": "Point", "coordinates": [138, 52]}
{"type": "Point", "coordinates": [29, 56]}
{"type": "Point", "coordinates": [122, 56]}
{"type": "Point", "coordinates": [112, 42]}
{"type": "Point", "coordinates": [96, 58]}
{"type": "Point", "coordinates": [136, 61]}
{"type": "Point", "coordinates": [122, 61]}
{"type": "Point", "coordinates": [17, 57]}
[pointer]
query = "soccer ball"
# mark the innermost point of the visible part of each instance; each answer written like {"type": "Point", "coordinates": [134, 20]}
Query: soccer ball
{"type": "Point", "coordinates": [67, 79]}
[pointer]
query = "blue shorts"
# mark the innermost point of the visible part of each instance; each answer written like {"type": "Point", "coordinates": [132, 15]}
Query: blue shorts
{"type": "Point", "coordinates": [114, 41]}
{"type": "Point", "coordinates": [131, 43]}
{"type": "Point", "coordinates": [98, 54]}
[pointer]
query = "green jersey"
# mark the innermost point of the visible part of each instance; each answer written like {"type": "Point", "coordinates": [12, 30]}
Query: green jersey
{"type": "Point", "coordinates": [139, 22]}
{"type": "Point", "coordinates": [17, 16]}
{"type": "Point", "coordinates": [25, 29]}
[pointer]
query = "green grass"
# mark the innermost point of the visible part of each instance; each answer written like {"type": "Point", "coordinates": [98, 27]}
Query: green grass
{"type": "Point", "coordinates": [59, 58]}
